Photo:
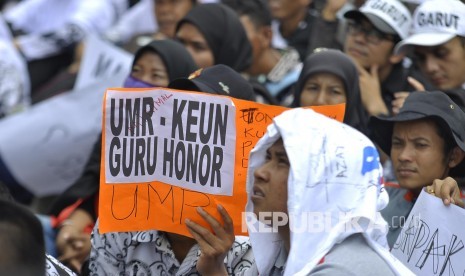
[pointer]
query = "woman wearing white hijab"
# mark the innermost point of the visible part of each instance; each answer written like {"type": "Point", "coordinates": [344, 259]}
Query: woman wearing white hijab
{"type": "Point", "coordinates": [325, 177]}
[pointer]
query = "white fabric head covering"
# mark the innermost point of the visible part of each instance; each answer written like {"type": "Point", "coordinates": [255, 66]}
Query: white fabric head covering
{"type": "Point", "coordinates": [334, 170]}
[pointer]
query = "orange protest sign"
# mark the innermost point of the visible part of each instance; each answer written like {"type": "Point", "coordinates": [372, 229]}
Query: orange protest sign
{"type": "Point", "coordinates": [167, 152]}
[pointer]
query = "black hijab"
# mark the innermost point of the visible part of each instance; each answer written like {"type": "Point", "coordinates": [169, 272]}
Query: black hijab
{"type": "Point", "coordinates": [224, 33]}
{"type": "Point", "coordinates": [178, 61]}
{"type": "Point", "coordinates": [339, 64]}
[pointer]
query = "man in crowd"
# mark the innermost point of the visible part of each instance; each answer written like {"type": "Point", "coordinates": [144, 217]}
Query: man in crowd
{"type": "Point", "coordinates": [438, 42]}
{"type": "Point", "coordinates": [385, 77]}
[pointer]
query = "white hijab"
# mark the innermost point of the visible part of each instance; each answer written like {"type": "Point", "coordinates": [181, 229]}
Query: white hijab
{"type": "Point", "coordinates": [334, 170]}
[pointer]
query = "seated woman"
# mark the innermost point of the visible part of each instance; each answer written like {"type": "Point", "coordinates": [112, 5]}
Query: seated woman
{"type": "Point", "coordinates": [316, 187]}
{"type": "Point", "coordinates": [213, 34]}
{"type": "Point", "coordinates": [156, 252]}
{"type": "Point", "coordinates": [73, 214]}
{"type": "Point", "coordinates": [327, 77]}
{"type": "Point", "coordinates": [426, 143]}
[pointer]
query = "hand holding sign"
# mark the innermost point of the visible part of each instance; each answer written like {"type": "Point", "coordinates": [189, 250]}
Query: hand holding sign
{"type": "Point", "coordinates": [446, 189]}
{"type": "Point", "coordinates": [213, 247]}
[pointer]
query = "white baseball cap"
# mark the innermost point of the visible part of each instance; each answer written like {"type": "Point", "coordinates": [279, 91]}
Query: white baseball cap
{"type": "Point", "coordinates": [388, 16]}
{"type": "Point", "coordinates": [435, 22]}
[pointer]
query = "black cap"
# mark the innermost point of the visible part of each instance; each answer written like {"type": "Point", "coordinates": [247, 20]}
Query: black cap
{"type": "Point", "coordinates": [218, 79]}
{"type": "Point", "coordinates": [458, 96]}
{"type": "Point", "coordinates": [419, 105]}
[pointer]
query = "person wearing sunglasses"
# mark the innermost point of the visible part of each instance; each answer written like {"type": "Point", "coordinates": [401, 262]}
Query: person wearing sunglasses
{"type": "Point", "coordinates": [385, 79]}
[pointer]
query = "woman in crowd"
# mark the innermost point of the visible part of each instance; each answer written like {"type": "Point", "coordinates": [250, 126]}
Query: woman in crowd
{"type": "Point", "coordinates": [73, 214]}
{"type": "Point", "coordinates": [327, 78]}
{"type": "Point", "coordinates": [154, 252]}
{"type": "Point", "coordinates": [213, 34]}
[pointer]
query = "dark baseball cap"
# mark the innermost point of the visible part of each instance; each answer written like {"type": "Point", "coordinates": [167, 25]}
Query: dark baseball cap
{"type": "Point", "coordinates": [419, 105]}
{"type": "Point", "coordinates": [218, 79]}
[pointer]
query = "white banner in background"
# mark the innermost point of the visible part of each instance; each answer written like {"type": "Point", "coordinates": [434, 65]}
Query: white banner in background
{"type": "Point", "coordinates": [47, 146]}
{"type": "Point", "coordinates": [5, 33]}
{"type": "Point", "coordinates": [417, 2]}
{"type": "Point", "coordinates": [102, 60]}
{"type": "Point", "coordinates": [14, 77]}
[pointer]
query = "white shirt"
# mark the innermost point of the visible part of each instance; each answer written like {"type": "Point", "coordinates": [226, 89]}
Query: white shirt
{"type": "Point", "coordinates": [150, 253]}
{"type": "Point", "coordinates": [51, 25]}
{"type": "Point", "coordinates": [139, 19]}
{"type": "Point", "coordinates": [53, 267]}
{"type": "Point", "coordinates": [14, 81]}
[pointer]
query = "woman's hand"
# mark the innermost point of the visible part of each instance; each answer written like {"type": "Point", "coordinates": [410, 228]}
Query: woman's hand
{"type": "Point", "coordinates": [73, 239]}
{"type": "Point", "coordinates": [213, 246]}
{"type": "Point", "coordinates": [448, 190]}
{"type": "Point", "coordinates": [74, 247]}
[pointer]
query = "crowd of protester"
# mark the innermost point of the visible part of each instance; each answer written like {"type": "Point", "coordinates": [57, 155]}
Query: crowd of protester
{"type": "Point", "coordinates": [399, 67]}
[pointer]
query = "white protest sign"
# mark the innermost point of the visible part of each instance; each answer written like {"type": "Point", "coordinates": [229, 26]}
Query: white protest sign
{"type": "Point", "coordinates": [45, 148]}
{"type": "Point", "coordinates": [5, 33]}
{"type": "Point", "coordinates": [418, 2]}
{"type": "Point", "coordinates": [183, 139]}
{"type": "Point", "coordinates": [101, 60]}
{"type": "Point", "coordinates": [431, 241]}
{"type": "Point", "coordinates": [14, 77]}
